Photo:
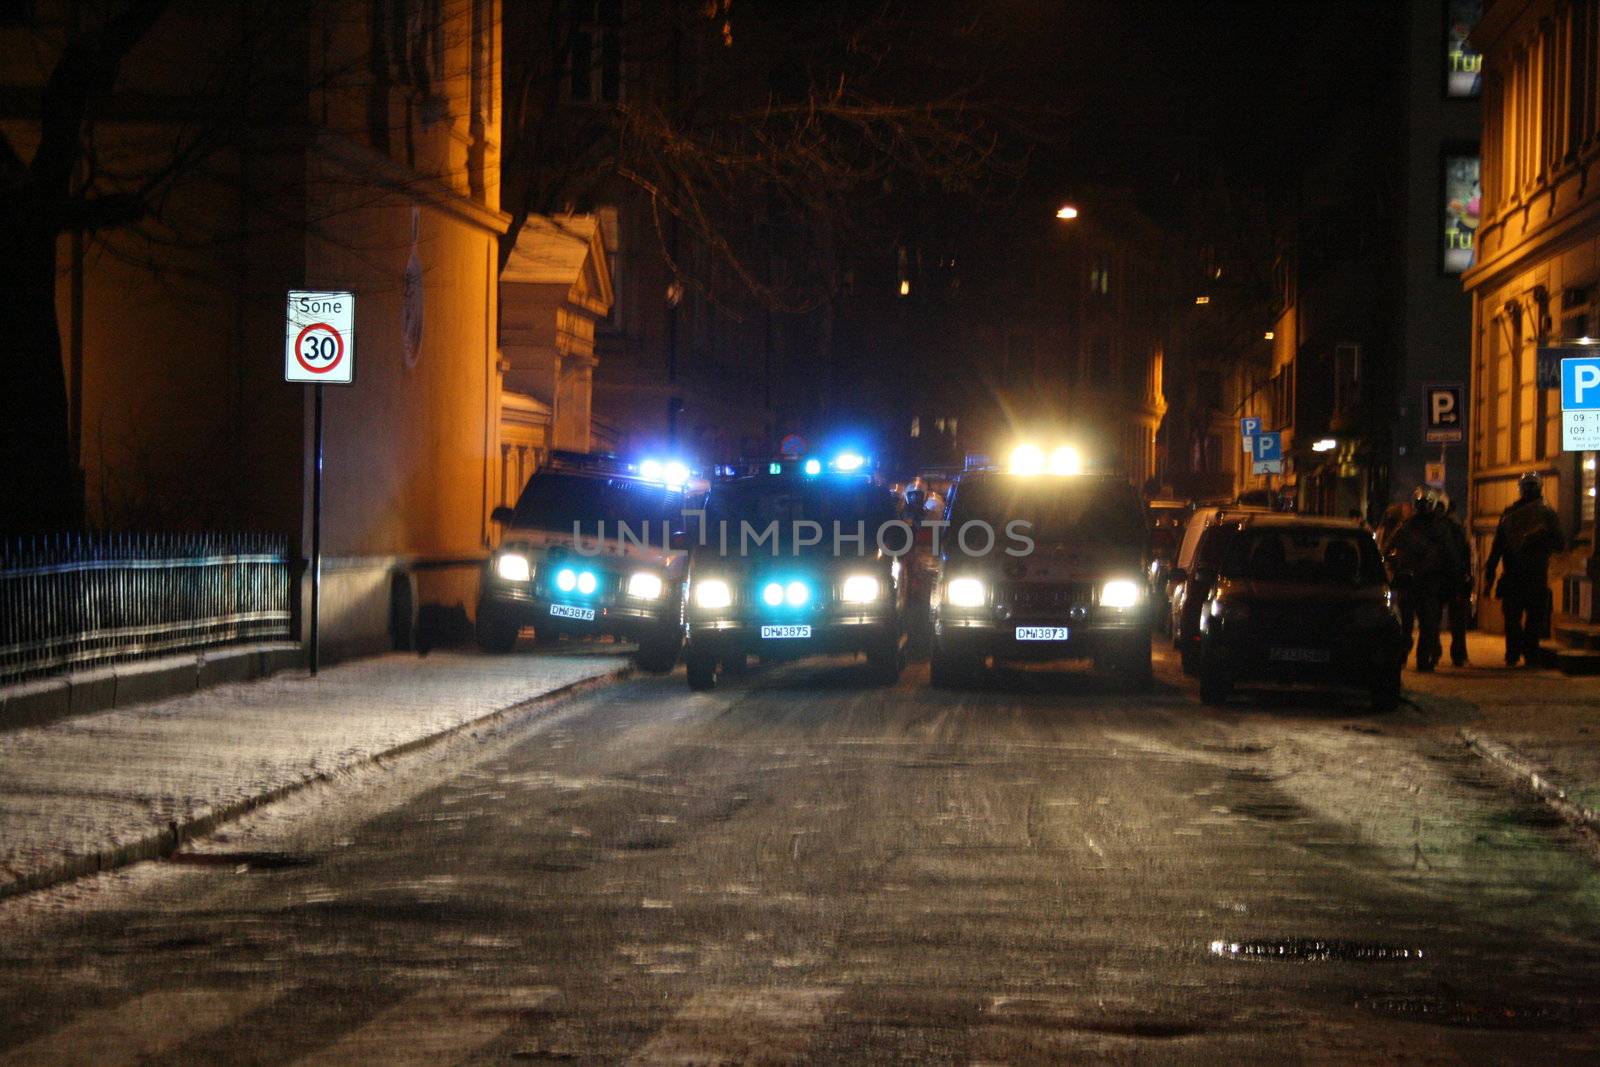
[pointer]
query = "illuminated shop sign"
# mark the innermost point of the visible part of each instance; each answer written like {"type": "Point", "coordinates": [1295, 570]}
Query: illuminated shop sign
{"type": "Point", "coordinates": [1463, 68]}
{"type": "Point", "coordinates": [1462, 200]}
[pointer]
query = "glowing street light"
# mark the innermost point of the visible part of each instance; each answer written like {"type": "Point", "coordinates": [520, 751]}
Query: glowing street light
{"type": "Point", "coordinates": [1066, 211]}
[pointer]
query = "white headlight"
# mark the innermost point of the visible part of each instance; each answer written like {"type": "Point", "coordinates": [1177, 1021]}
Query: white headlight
{"type": "Point", "coordinates": [644, 585]}
{"type": "Point", "coordinates": [512, 567]}
{"type": "Point", "coordinates": [1119, 594]}
{"type": "Point", "coordinates": [796, 593]}
{"type": "Point", "coordinates": [1065, 460]}
{"type": "Point", "coordinates": [772, 594]}
{"type": "Point", "coordinates": [859, 589]}
{"type": "Point", "coordinates": [964, 592]}
{"type": "Point", "coordinates": [586, 583]}
{"type": "Point", "coordinates": [1027, 459]}
{"type": "Point", "coordinates": [712, 593]}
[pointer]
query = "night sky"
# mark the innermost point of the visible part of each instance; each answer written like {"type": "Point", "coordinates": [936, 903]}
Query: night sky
{"type": "Point", "coordinates": [1162, 96]}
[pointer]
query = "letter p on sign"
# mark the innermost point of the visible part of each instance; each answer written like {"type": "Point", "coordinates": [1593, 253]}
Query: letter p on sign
{"type": "Point", "coordinates": [1443, 405]}
{"type": "Point", "coordinates": [1580, 384]}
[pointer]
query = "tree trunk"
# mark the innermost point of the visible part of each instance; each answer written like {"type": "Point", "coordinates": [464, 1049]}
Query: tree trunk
{"type": "Point", "coordinates": [39, 482]}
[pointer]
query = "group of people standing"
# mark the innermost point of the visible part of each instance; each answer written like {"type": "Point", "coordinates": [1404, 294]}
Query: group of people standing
{"type": "Point", "coordinates": [1430, 563]}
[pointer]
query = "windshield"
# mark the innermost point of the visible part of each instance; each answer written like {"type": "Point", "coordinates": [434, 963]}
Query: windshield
{"type": "Point", "coordinates": [1317, 555]}
{"type": "Point", "coordinates": [1058, 509]}
{"type": "Point", "coordinates": [555, 500]}
{"type": "Point", "coordinates": [761, 502]}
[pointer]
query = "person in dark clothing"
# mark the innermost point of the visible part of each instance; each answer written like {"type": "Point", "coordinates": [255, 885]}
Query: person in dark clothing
{"type": "Point", "coordinates": [1458, 599]}
{"type": "Point", "coordinates": [1428, 564]}
{"type": "Point", "coordinates": [1527, 536]}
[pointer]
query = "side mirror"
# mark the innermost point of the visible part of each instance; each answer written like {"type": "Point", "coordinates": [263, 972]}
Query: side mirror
{"type": "Point", "coordinates": [503, 516]}
{"type": "Point", "coordinates": [679, 539]}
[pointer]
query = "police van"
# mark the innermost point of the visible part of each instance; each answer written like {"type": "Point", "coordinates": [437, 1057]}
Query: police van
{"type": "Point", "coordinates": [589, 549]}
{"type": "Point", "coordinates": [1042, 561]}
{"type": "Point", "coordinates": [788, 562]}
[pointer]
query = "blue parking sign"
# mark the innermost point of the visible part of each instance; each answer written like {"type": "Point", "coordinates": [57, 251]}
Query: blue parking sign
{"type": "Point", "coordinates": [1250, 425]}
{"type": "Point", "coordinates": [1269, 445]}
{"type": "Point", "coordinates": [1580, 384]}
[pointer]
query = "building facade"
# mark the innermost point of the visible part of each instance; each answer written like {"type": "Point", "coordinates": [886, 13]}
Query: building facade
{"type": "Point", "coordinates": [1535, 282]}
{"type": "Point", "coordinates": [348, 145]}
{"type": "Point", "coordinates": [1049, 329]}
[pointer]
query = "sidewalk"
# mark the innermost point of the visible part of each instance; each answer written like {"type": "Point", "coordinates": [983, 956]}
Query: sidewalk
{"type": "Point", "coordinates": [102, 790]}
{"type": "Point", "coordinates": [1532, 723]}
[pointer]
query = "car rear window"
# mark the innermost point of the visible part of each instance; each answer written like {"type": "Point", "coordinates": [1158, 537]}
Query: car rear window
{"type": "Point", "coordinates": [1318, 555]}
{"type": "Point", "coordinates": [555, 500]}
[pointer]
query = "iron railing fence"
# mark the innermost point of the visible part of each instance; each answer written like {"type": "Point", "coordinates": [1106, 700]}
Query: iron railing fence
{"type": "Point", "coordinates": [77, 600]}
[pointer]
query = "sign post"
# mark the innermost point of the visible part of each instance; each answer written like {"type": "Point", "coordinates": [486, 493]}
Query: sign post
{"type": "Point", "coordinates": [319, 349]}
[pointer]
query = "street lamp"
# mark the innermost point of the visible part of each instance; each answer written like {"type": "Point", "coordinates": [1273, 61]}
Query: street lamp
{"type": "Point", "coordinates": [1066, 211]}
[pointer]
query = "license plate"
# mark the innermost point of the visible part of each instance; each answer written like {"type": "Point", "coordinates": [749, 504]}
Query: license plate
{"type": "Point", "coordinates": [1298, 655]}
{"type": "Point", "coordinates": [566, 611]}
{"type": "Point", "coordinates": [1041, 633]}
{"type": "Point", "coordinates": [785, 631]}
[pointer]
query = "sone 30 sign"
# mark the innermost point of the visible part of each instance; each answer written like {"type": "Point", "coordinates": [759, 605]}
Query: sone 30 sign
{"type": "Point", "coordinates": [319, 338]}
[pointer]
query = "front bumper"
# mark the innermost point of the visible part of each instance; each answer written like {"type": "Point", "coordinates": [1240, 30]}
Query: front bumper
{"type": "Point", "coordinates": [1089, 634]}
{"type": "Point", "coordinates": [835, 630]}
{"type": "Point", "coordinates": [623, 617]}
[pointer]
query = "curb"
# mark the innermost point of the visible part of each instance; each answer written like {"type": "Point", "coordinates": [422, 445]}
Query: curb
{"type": "Point", "coordinates": [1511, 762]}
{"type": "Point", "coordinates": [163, 843]}
{"type": "Point", "coordinates": [42, 701]}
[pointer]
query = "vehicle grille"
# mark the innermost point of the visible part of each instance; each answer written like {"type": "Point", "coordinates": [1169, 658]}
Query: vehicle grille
{"type": "Point", "coordinates": [1045, 597]}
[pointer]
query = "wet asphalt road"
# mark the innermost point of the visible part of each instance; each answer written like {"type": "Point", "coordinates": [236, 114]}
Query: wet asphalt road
{"type": "Point", "coordinates": [796, 869]}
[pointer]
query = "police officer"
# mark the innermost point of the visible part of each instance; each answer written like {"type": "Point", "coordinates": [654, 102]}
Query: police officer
{"type": "Point", "coordinates": [1458, 595]}
{"type": "Point", "coordinates": [1528, 535]}
{"type": "Point", "coordinates": [1426, 554]}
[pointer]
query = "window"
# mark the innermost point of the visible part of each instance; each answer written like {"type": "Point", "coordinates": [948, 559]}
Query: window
{"type": "Point", "coordinates": [594, 63]}
{"type": "Point", "coordinates": [1463, 67]}
{"type": "Point", "coordinates": [1346, 379]}
{"type": "Point", "coordinates": [1100, 275]}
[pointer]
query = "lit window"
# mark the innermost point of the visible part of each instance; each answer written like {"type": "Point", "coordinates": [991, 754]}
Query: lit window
{"type": "Point", "coordinates": [916, 426]}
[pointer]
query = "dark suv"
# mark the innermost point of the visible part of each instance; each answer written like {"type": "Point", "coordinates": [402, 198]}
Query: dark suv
{"type": "Point", "coordinates": [1065, 578]}
{"type": "Point", "coordinates": [768, 578]}
{"type": "Point", "coordinates": [1300, 599]}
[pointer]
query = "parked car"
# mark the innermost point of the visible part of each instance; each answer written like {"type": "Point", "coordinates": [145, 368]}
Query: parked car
{"type": "Point", "coordinates": [1167, 520]}
{"type": "Point", "coordinates": [1300, 599]}
{"type": "Point", "coordinates": [1192, 574]}
{"type": "Point", "coordinates": [566, 567]}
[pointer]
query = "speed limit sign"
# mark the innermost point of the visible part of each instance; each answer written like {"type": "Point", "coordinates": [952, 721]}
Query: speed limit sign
{"type": "Point", "coordinates": [320, 340]}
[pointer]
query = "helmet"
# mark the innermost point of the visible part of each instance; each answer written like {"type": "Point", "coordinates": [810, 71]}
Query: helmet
{"type": "Point", "coordinates": [1424, 500]}
{"type": "Point", "coordinates": [1530, 485]}
{"type": "Point", "coordinates": [1445, 503]}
